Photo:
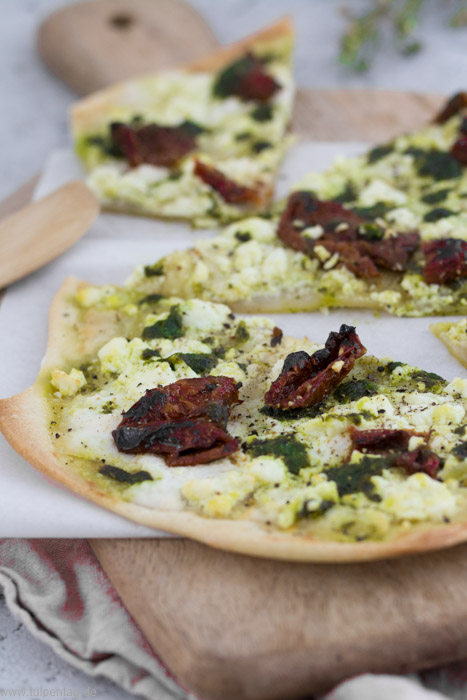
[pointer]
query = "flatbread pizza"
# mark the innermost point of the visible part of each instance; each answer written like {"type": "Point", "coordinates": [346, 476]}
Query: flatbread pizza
{"type": "Point", "coordinates": [180, 415]}
{"type": "Point", "coordinates": [386, 231]}
{"type": "Point", "coordinates": [454, 335]}
{"type": "Point", "coordinates": [203, 142]}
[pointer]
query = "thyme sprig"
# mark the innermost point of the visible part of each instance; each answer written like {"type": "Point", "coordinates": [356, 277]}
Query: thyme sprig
{"type": "Point", "coordinates": [364, 33]}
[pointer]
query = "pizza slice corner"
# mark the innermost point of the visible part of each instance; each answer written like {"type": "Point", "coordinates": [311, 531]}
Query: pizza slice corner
{"type": "Point", "coordinates": [202, 142]}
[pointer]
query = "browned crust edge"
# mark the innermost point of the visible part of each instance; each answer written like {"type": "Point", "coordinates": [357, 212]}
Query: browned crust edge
{"type": "Point", "coordinates": [24, 423]}
{"type": "Point", "coordinates": [84, 113]}
{"type": "Point", "coordinates": [457, 348]}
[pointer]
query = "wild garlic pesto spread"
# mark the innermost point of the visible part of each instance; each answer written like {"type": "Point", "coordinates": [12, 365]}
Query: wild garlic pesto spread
{"type": "Point", "coordinates": [295, 470]}
{"type": "Point", "coordinates": [412, 184]}
{"type": "Point", "coordinates": [244, 139]}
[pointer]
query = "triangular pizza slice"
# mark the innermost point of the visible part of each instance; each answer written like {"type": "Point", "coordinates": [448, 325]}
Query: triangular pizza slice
{"type": "Point", "coordinates": [386, 230]}
{"type": "Point", "coordinates": [203, 142]}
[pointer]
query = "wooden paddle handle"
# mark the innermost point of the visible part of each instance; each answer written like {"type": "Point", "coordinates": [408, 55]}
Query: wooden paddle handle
{"type": "Point", "coordinates": [98, 42]}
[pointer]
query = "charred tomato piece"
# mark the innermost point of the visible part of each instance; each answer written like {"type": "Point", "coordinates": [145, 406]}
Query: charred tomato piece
{"type": "Point", "coordinates": [184, 421]}
{"type": "Point", "coordinates": [246, 78]}
{"type": "Point", "coordinates": [445, 260]}
{"type": "Point", "coordinates": [230, 191]}
{"type": "Point", "coordinates": [454, 105]}
{"type": "Point", "coordinates": [422, 459]}
{"type": "Point", "coordinates": [153, 144]}
{"type": "Point", "coordinates": [306, 379]}
{"type": "Point", "coordinates": [395, 443]}
{"type": "Point", "coordinates": [304, 210]}
{"type": "Point", "coordinates": [344, 233]}
{"type": "Point", "coordinates": [380, 439]}
{"type": "Point", "coordinates": [391, 253]}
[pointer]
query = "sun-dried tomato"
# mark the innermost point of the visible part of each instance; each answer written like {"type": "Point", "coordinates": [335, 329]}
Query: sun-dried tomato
{"type": "Point", "coordinates": [395, 443]}
{"type": "Point", "coordinates": [246, 78]}
{"type": "Point", "coordinates": [229, 190]}
{"type": "Point", "coordinates": [459, 149]}
{"type": "Point", "coordinates": [304, 210]}
{"type": "Point", "coordinates": [306, 379]}
{"type": "Point", "coordinates": [391, 253]}
{"type": "Point", "coordinates": [153, 144]}
{"type": "Point", "coordinates": [422, 459]}
{"type": "Point", "coordinates": [445, 260]}
{"type": "Point", "coordinates": [454, 105]}
{"type": "Point", "coordinates": [184, 421]}
{"type": "Point", "coordinates": [351, 257]}
{"type": "Point", "coordinates": [380, 439]}
{"type": "Point", "coordinates": [344, 233]}
{"type": "Point", "coordinates": [277, 335]}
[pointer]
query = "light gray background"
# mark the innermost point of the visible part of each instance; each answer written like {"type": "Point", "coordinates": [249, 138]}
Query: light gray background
{"type": "Point", "coordinates": [33, 121]}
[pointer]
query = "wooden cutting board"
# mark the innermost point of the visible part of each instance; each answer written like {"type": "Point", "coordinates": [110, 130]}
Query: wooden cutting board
{"type": "Point", "coordinates": [231, 627]}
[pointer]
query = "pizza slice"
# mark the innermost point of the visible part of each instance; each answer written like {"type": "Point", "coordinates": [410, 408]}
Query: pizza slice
{"type": "Point", "coordinates": [454, 336]}
{"type": "Point", "coordinates": [182, 416]}
{"type": "Point", "coordinates": [386, 230]}
{"type": "Point", "coordinates": [202, 143]}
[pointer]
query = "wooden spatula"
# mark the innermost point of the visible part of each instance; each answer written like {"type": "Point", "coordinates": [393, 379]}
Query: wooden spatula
{"type": "Point", "coordinates": [43, 230]}
{"type": "Point", "coordinates": [92, 44]}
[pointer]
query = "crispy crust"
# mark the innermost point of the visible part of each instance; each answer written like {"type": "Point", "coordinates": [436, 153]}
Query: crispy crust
{"type": "Point", "coordinates": [91, 111]}
{"type": "Point", "coordinates": [457, 348]}
{"type": "Point", "coordinates": [24, 422]}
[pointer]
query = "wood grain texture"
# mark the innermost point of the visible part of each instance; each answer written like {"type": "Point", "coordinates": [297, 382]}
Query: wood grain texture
{"type": "Point", "coordinates": [233, 628]}
{"type": "Point", "coordinates": [92, 44]}
{"type": "Point", "coordinates": [43, 230]}
{"type": "Point", "coordinates": [360, 115]}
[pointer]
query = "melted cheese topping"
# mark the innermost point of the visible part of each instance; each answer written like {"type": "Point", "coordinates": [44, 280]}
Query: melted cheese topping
{"type": "Point", "coordinates": [246, 149]}
{"type": "Point", "coordinates": [292, 471]}
{"type": "Point", "coordinates": [406, 186]}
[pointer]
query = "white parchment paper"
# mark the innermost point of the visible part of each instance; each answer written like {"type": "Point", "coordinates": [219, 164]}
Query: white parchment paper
{"type": "Point", "coordinates": [32, 506]}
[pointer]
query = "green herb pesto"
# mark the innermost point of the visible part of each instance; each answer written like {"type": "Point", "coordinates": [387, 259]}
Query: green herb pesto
{"type": "Point", "coordinates": [259, 146]}
{"type": "Point", "coordinates": [435, 197]}
{"type": "Point", "coordinates": [432, 381]}
{"type": "Point", "coordinates": [371, 232]}
{"type": "Point", "coordinates": [243, 236]}
{"type": "Point", "coordinates": [291, 450]}
{"type": "Point", "coordinates": [355, 418]}
{"type": "Point", "coordinates": [192, 128]}
{"type": "Point", "coordinates": [200, 363]}
{"type": "Point", "coordinates": [241, 334]}
{"type": "Point", "coordinates": [374, 212]}
{"type": "Point", "coordinates": [348, 194]}
{"type": "Point", "coordinates": [156, 270]}
{"type": "Point", "coordinates": [460, 451]}
{"type": "Point", "coordinates": [225, 83]}
{"type": "Point", "coordinates": [170, 327]}
{"type": "Point", "coordinates": [149, 354]}
{"type": "Point", "coordinates": [355, 389]}
{"type": "Point", "coordinates": [438, 165]}
{"type": "Point", "coordinates": [106, 145]}
{"type": "Point", "coordinates": [437, 214]}
{"type": "Point", "coordinates": [310, 509]}
{"type": "Point", "coordinates": [391, 366]}
{"type": "Point", "coordinates": [379, 152]}
{"type": "Point", "coordinates": [123, 476]}
{"type": "Point", "coordinates": [293, 413]}
{"type": "Point", "coordinates": [151, 299]}
{"type": "Point", "coordinates": [353, 478]}
{"type": "Point", "coordinates": [263, 113]}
